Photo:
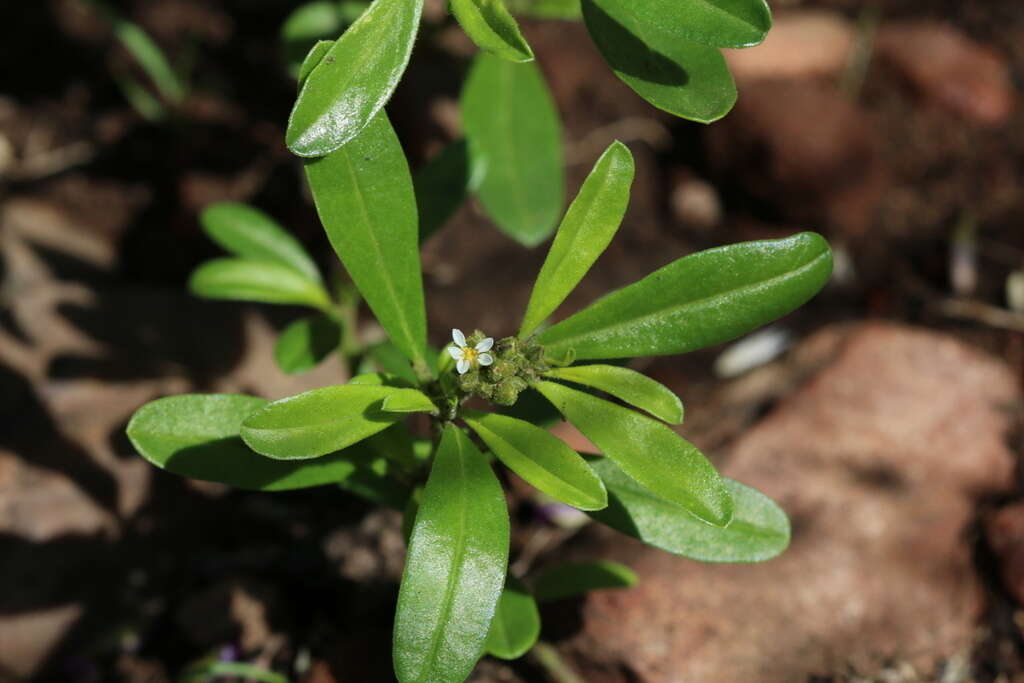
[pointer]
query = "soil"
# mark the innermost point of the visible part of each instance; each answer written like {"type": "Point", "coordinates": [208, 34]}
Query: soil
{"type": "Point", "coordinates": [99, 228]}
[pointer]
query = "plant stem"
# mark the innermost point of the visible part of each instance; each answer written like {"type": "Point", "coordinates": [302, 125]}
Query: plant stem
{"type": "Point", "coordinates": [547, 657]}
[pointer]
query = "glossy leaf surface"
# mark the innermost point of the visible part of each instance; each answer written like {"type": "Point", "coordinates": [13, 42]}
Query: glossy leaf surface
{"type": "Point", "coordinates": [490, 25]}
{"type": "Point", "coordinates": [363, 194]}
{"type": "Point", "coordinates": [313, 57]}
{"type": "Point", "coordinates": [576, 578]}
{"type": "Point", "coordinates": [759, 529]}
{"type": "Point", "coordinates": [455, 567]}
{"type": "Point", "coordinates": [588, 226]}
{"type": "Point", "coordinates": [700, 300]}
{"type": "Point", "coordinates": [720, 23]}
{"type": "Point", "coordinates": [357, 76]}
{"type": "Point", "coordinates": [308, 23]}
{"type": "Point", "coordinates": [626, 385]}
{"type": "Point", "coordinates": [541, 458]}
{"type": "Point", "coordinates": [196, 436]}
{"type": "Point", "coordinates": [516, 138]}
{"type": "Point", "coordinates": [248, 232]}
{"type": "Point", "coordinates": [408, 401]}
{"type": "Point", "coordinates": [674, 74]}
{"type": "Point", "coordinates": [516, 624]}
{"type": "Point", "coordinates": [318, 422]}
{"type": "Point", "coordinates": [263, 281]}
{"type": "Point", "coordinates": [305, 343]}
{"type": "Point", "coordinates": [647, 451]}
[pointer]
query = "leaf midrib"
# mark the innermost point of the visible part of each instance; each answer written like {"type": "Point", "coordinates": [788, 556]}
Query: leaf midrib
{"type": "Point", "coordinates": [689, 304]}
{"type": "Point", "coordinates": [380, 261]}
{"type": "Point", "coordinates": [456, 573]}
{"type": "Point", "coordinates": [579, 492]}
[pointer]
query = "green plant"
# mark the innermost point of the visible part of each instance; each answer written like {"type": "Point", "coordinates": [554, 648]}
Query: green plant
{"type": "Point", "coordinates": [456, 599]}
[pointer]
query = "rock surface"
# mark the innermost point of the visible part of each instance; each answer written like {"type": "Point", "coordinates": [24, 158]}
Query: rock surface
{"type": "Point", "coordinates": [878, 460]}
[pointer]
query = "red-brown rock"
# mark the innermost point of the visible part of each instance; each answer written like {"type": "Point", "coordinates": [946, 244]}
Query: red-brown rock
{"type": "Point", "coordinates": [877, 460]}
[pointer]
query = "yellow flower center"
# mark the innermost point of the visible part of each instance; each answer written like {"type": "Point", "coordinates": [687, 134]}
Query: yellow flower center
{"type": "Point", "coordinates": [470, 354]}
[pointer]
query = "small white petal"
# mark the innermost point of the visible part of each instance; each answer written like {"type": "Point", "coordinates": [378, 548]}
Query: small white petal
{"type": "Point", "coordinates": [462, 366]}
{"type": "Point", "coordinates": [455, 352]}
{"type": "Point", "coordinates": [460, 339]}
{"type": "Point", "coordinates": [485, 345]}
{"type": "Point", "coordinates": [485, 359]}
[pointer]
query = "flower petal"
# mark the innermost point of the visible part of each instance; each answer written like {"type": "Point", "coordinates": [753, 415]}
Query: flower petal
{"type": "Point", "coordinates": [455, 352]}
{"type": "Point", "coordinates": [485, 345]}
{"type": "Point", "coordinates": [460, 339]}
{"type": "Point", "coordinates": [485, 359]}
{"type": "Point", "coordinates": [462, 366]}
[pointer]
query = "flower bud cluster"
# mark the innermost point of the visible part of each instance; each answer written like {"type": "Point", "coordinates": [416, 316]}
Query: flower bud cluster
{"type": "Point", "coordinates": [517, 362]}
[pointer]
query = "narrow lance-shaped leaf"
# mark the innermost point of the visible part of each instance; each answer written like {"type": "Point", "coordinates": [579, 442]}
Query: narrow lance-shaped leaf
{"type": "Point", "coordinates": [248, 232]}
{"type": "Point", "coordinates": [196, 436]}
{"type": "Point", "coordinates": [263, 281]}
{"type": "Point", "coordinates": [627, 385]}
{"type": "Point", "coordinates": [547, 9]}
{"type": "Point", "coordinates": [541, 458]}
{"type": "Point", "coordinates": [408, 401]}
{"type": "Point", "coordinates": [702, 299]}
{"type": "Point", "coordinates": [576, 578]}
{"type": "Point", "coordinates": [318, 422]}
{"type": "Point", "coordinates": [647, 451]}
{"type": "Point", "coordinates": [490, 25]}
{"type": "Point", "coordinates": [759, 529]}
{"type": "Point", "coordinates": [313, 58]}
{"type": "Point", "coordinates": [515, 135]}
{"type": "Point", "coordinates": [516, 624]}
{"type": "Point", "coordinates": [305, 343]}
{"type": "Point", "coordinates": [677, 75]}
{"type": "Point", "coordinates": [588, 226]}
{"type": "Point", "coordinates": [455, 567]}
{"type": "Point", "coordinates": [357, 76]}
{"type": "Point", "coordinates": [363, 194]}
{"type": "Point", "coordinates": [719, 23]}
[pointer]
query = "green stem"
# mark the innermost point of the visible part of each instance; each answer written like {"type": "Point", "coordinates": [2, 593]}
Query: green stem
{"type": "Point", "coordinates": [546, 656]}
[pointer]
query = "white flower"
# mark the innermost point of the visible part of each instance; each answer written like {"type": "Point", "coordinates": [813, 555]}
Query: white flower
{"type": "Point", "coordinates": [467, 356]}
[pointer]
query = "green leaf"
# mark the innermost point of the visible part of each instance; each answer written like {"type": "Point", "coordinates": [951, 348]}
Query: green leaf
{"type": "Point", "coordinates": [376, 466]}
{"type": "Point", "coordinates": [719, 23]}
{"type": "Point", "coordinates": [646, 450]}
{"type": "Point", "coordinates": [489, 24]}
{"type": "Point", "coordinates": [759, 529]}
{"type": "Point", "coordinates": [442, 185]}
{"type": "Point", "coordinates": [392, 361]}
{"type": "Point", "coordinates": [540, 458]}
{"type": "Point", "coordinates": [263, 281]}
{"type": "Point", "coordinates": [249, 232]}
{"type": "Point", "coordinates": [674, 74]}
{"type": "Point", "coordinates": [381, 379]}
{"type": "Point", "coordinates": [350, 86]}
{"type": "Point", "coordinates": [313, 57]}
{"type": "Point", "coordinates": [516, 138]}
{"type": "Point", "coordinates": [547, 9]}
{"type": "Point", "coordinates": [588, 227]}
{"type": "Point", "coordinates": [703, 299]}
{"type": "Point", "coordinates": [318, 422]}
{"type": "Point", "coordinates": [146, 53]}
{"type": "Point", "coordinates": [305, 343]}
{"type": "Point", "coordinates": [363, 193]}
{"type": "Point", "coordinates": [516, 624]}
{"type": "Point", "coordinates": [308, 23]}
{"type": "Point", "coordinates": [455, 567]}
{"type": "Point", "coordinates": [576, 578]}
{"type": "Point", "coordinates": [196, 436]}
{"type": "Point", "coordinates": [626, 385]}
{"type": "Point", "coordinates": [408, 401]}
